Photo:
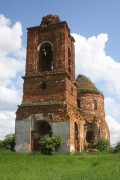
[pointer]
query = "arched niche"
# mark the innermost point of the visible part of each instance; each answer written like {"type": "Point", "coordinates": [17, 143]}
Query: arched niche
{"type": "Point", "coordinates": [76, 136]}
{"type": "Point", "coordinates": [69, 60]}
{"type": "Point", "coordinates": [94, 104]}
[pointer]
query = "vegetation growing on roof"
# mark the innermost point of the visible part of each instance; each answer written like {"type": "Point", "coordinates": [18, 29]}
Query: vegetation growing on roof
{"type": "Point", "coordinates": [87, 85]}
{"type": "Point", "coordinates": [84, 78]}
{"type": "Point", "coordinates": [90, 90]}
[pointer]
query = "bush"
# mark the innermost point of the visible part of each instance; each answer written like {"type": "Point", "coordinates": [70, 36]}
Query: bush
{"type": "Point", "coordinates": [50, 145]}
{"type": "Point", "coordinates": [111, 149]}
{"type": "Point", "coordinates": [102, 145]}
{"type": "Point", "coordinates": [1, 145]}
{"type": "Point", "coordinates": [8, 143]}
{"type": "Point", "coordinates": [90, 145]}
{"type": "Point", "coordinates": [117, 148]}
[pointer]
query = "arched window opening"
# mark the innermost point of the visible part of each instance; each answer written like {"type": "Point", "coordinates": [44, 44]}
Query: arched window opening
{"type": "Point", "coordinates": [69, 61]}
{"type": "Point", "coordinates": [46, 57]}
{"type": "Point", "coordinates": [94, 104]}
{"type": "Point", "coordinates": [76, 137]}
{"type": "Point", "coordinates": [89, 136]}
{"type": "Point", "coordinates": [78, 103]}
{"type": "Point", "coordinates": [44, 129]}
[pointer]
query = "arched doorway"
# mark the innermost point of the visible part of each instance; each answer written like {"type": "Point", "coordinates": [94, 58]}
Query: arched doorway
{"type": "Point", "coordinates": [40, 129]}
{"type": "Point", "coordinates": [76, 136]}
{"type": "Point", "coordinates": [46, 56]}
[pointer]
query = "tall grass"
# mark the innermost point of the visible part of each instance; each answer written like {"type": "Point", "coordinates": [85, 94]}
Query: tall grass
{"type": "Point", "coordinates": [18, 166]}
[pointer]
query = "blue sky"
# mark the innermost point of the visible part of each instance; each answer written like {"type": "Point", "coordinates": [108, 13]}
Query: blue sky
{"type": "Point", "coordinates": [95, 26]}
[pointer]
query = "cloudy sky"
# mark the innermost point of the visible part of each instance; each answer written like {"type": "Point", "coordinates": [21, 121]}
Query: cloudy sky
{"type": "Point", "coordinates": [95, 26]}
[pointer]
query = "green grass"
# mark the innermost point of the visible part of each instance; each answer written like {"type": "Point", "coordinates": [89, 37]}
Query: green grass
{"type": "Point", "coordinates": [18, 166]}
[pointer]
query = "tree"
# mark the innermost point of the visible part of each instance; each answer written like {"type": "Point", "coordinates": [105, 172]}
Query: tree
{"type": "Point", "coordinates": [8, 143]}
{"type": "Point", "coordinates": [117, 148]}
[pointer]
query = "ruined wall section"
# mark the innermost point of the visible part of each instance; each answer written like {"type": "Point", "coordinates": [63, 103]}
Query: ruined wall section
{"type": "Point", "coordinates": [94, 118]}
{"type": "Point", "coordinates": [76, 117]}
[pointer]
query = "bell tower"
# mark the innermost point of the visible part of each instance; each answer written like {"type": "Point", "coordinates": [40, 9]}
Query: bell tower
{"type": "Point", "coordinates": [50, 62]}
{"type": "Point", "coordinates": [49, 104]}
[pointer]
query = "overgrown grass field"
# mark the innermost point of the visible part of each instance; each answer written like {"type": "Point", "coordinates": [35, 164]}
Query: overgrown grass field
{"type": "Point", "coordinates": [100, 166]}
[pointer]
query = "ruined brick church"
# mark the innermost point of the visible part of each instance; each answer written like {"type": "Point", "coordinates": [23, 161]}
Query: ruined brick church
{"type": "Point", "coordinates": [54, 102]}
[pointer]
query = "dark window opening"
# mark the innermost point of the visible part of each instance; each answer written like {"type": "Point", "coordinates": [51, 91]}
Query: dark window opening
{"type": "Point", "coordinates": [89, 136]}
{"type": "Point", "coordinates": [69, 61]}
{"type": "Point", "coordinates": [71, 90]}
{"type": "Point", "coordinates": [78, 103]}
{"type": "Point", "coordinates": [43, 86]}
{"type": "Point", "coordinates": [94, 104]}
{"type": "Point", "coordinates": [46, 57]}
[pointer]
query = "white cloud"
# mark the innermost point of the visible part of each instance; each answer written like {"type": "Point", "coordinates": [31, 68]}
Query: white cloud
{"type": "Point", "coordinates": [4, 21]}
{"type": "Point", "coordinates": [9, 98]}
{"type": "Point", "coordinates": [7, 123]}
{"type": "Point", "coordinates": [9, 67]}
{"type": "Point", "coordinates": [112, 107]}
{"type": "Point", "coordinates": [114, 127]}
{"type": "Point", "coordinates": [10, 36]}
{"type": "Point", "coordinates": [12, 53]}
{"type": "Point", "coordinates": [12, 64]}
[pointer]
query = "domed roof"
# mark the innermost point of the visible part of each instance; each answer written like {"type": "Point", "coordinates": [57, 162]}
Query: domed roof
{"type": "Point", "coordinates": [84, 84]}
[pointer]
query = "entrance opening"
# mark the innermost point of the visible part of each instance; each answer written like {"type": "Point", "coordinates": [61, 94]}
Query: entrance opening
{"type": "Point", "coordinates": [46, 57]}
{"type": "Point", "coordinates": [76, 136]}
{"type": "Point", "coordinates": [40, 129]}
{"type": "Point", "coordinates": [89, 136]}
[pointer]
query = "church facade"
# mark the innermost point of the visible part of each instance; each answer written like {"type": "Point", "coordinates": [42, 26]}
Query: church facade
{"type": "Point", "coordinates": [54, 102]}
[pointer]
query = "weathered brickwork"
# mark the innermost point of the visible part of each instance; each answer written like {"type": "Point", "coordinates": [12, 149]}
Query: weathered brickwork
{"type": "Point", "coordinates": [53, 102]}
